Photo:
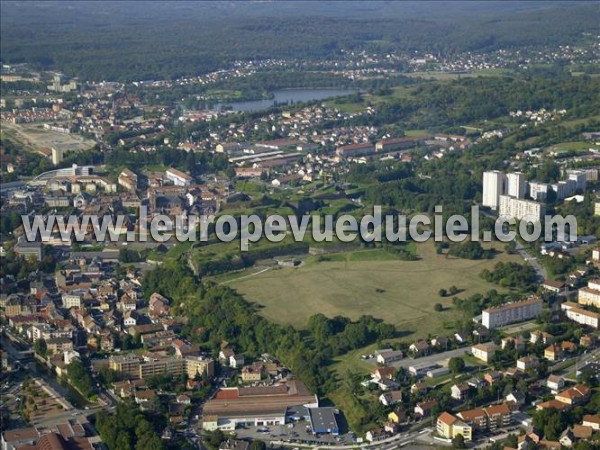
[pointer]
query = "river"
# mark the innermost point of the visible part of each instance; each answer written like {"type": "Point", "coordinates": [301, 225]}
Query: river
{"type": "Point", "coordinates": [284, 96]}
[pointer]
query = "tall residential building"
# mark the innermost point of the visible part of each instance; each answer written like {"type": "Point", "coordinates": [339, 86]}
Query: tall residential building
{"type": "Point", "coordinates": [57, 156]}
{"type": "Point", "coordinates": [519, 208]}
{"type": "Point", "coordinates": [579, 177]}
{"type": "Point", "coordinates": [576, 180]}
{"type": "Point", "coordinates": [500, 316]}
{"type": "Point", "coordinates": [538, 191]}
{"type": "Point", "coordinates": [494, 185]}
{"type": "Point", "coordinates": [597, 209]}
{"type": "Point", "coordinates": [517, 185]}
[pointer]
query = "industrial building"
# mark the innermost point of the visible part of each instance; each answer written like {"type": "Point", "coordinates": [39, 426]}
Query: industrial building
{"type": "Point", "coordinates": [323, 421]}
{"type": "Point", "coordinates": [256, 406]}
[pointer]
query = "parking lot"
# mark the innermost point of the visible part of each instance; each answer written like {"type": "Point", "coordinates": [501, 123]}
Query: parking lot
{"type": "Point", "coordinates": [293, 433]}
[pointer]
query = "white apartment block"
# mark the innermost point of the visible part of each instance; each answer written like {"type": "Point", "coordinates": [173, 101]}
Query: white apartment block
{"type": "Point", "coordinates": [71, 301]}
{"type": "Point", "coordinates": [500, 316]}
{"type": "Point", "coordinates": [587, 296]}
{"type": "Point", "coordinates": [128, 179]}
{"type": "Point", "coordinates": [519, 208]}
{"type": "Point", "coordinates": [494, 185]}
{"type": "Point", "coordinates": [580, 315]}
{"type": "Point", "coordinates": [538, 191]}
{"type": "Point", "coordinates": [178, 177]}
{"type": "Point", "coordinates": [579, 177]}
{"type": "Point", "coordinates": [576, 179]}
{"type": "Point", "coordinates": [46, 332]}
{"type": "Point", "coordinates": [590, 295]}
{"type": "Point", "coordinates": [516, 185]}
{"type": "Point", "coordinates": [597, 209]}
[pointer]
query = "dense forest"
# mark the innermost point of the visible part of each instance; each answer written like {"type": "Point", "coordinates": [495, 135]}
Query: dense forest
{"type": "Point", "coordinates": [151, 40]}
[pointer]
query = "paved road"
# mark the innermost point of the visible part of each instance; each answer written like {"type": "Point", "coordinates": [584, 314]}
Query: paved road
{"type": "Point", "coordinates": [436, 358]}
{"type": "Point", "coordinates": [532, 260]}
{"type": "Point", "coordinates": [593, 355]}
{"type": "Point", "coordinates": [385, 444]}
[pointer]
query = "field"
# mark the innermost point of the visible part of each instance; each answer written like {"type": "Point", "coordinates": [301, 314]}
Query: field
{"type": "Point", "coordinates": [34, 137]}
{"type": "Point", "coordinates": [367, 282]}
{"type": "Point", "coordinates": [582, 147]}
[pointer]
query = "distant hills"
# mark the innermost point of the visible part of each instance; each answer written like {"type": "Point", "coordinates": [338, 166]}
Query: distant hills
{"type": "Point", "coordinates": [150, 40]}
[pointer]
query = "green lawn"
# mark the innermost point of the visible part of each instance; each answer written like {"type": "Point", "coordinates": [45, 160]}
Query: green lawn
{"type": "Point", "coordinates": [359, 283]}
{"type": "Point", "coordinates": [441, 76]}
{"type": "Point", "coordinates": [416, 133]}
{"type": "Point", "coordinates": [571, 146]}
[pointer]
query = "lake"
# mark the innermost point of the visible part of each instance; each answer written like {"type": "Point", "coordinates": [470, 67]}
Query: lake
{"type": "Point", "coordinates": [285, 96]}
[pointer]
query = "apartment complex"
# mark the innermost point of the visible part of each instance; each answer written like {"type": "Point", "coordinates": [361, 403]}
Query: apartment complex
{"type": "Point", "coordinates": [580, 315]}
{"type": "Point", "coordinates": [494, 185]}
{"type": "Point", "coordinates": [500, 316]}
{"type": "Point", "coordinates": [516, 185]}
{"type": "Point", "coordinates": [520, 209]}
{"type": "Point", "coordinates": [515, 188]}
{"type": "Point", "coordinates": [488, 418]}
{"type": "Point", "coordinates": [178, 177]}
{"type": "Point", "coordinates": [450, 426]}
{"type": "Point", "coordinates": [128, 180]}
{"type": "Point", "coordinates": [590, 295]}
{"type": "Point", "coordinates": [138, 367]}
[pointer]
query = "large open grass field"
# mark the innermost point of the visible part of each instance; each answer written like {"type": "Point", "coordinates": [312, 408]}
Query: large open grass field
{"type": "Point", "coordinates": [367, 282]}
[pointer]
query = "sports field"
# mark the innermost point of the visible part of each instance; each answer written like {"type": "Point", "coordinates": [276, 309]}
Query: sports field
{"type": "Point", "coordinates": [367, 282]}
{"type": "Point", "coordinates": [35, 136]}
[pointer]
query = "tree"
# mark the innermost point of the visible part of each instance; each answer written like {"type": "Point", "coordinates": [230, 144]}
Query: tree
{"type": "Point", "coordinates": [216, 437]}
{"type": "Point", "coordinates": [456, 364]}
{"type": "Point", "coordinates": [587, 377]}
{"type": "Point", "coordinates": [458, 441]}
{"type": "Point", "coordinates": [512, 441]}
{"type": "Point", "coordinates": [123, 441]}
{"type": "Point", "coordinates": [551, 421]}
{"type": "Point", "coordinates": [438, 307]}
{"type": "Point", "coordinates": [442, 292]}
{"type": "Point", "coordinates": [258, 445]}
{"type": "Point", "coordinates": [40, 347]}
{"type": "Point", "coordinates": [79, 378]}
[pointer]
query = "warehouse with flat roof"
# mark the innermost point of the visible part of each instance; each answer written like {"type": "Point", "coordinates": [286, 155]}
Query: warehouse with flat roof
{"type": "Point", "coordinates": [322, 420]}
{"type": "Point", "coordinates": [255, 406]}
